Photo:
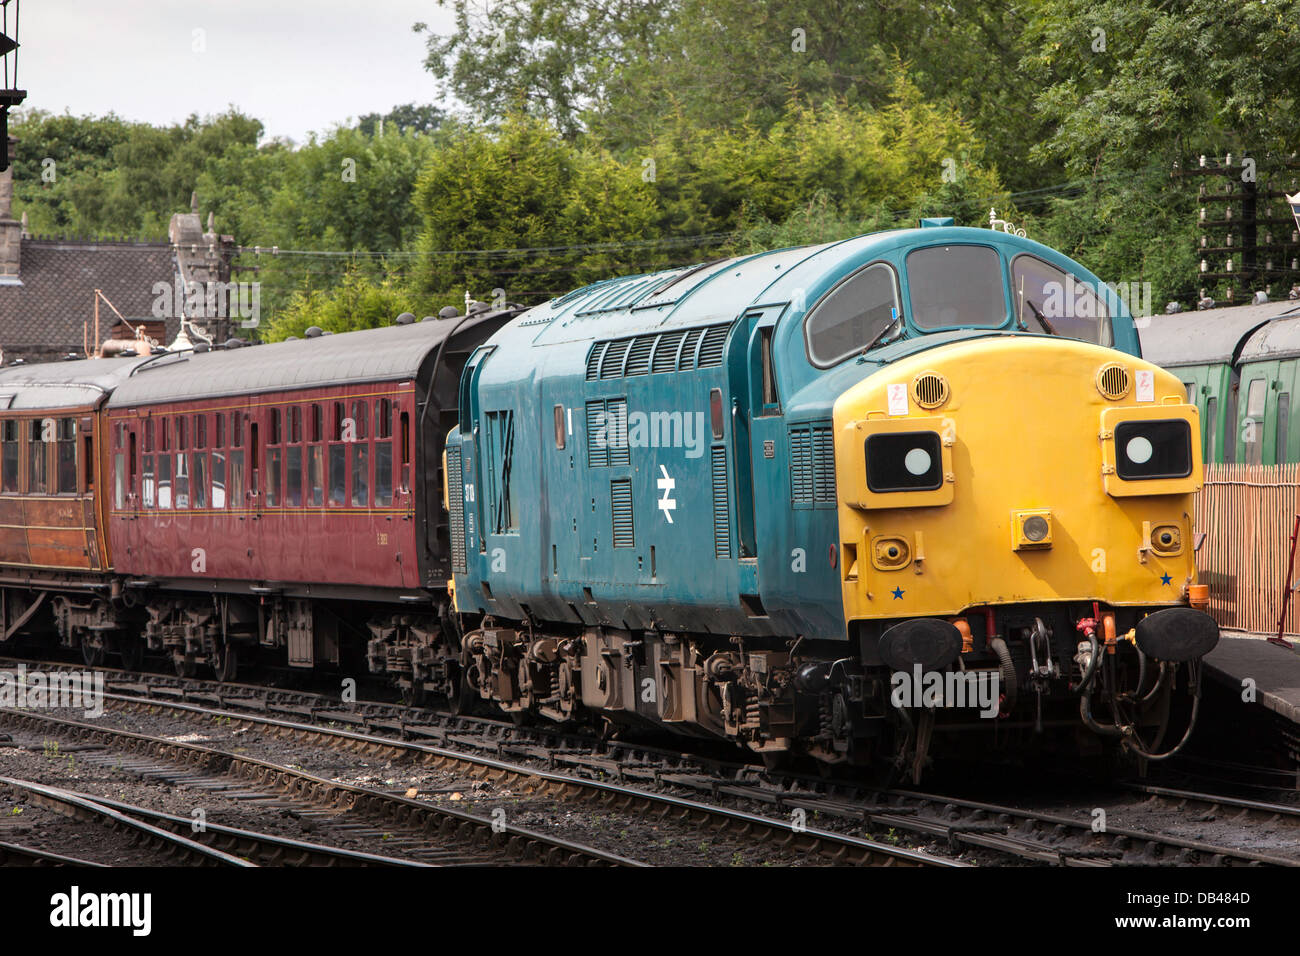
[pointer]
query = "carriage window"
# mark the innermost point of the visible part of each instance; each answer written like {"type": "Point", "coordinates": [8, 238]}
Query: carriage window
{"type": "Point", "coordinates": [360, 420]}
{"type": "Point", "coordinates": [66, 458]}
{"type": "Point", "coordinates": [338, 474]}
{"type": "Point", "coordinates": [181, 485]}
{"type": "Point", "coordinates": [166, 436]}
{"type": "Point", "coordinates": [182, 435]}
{"type": "Point", "coordinates": [316, 416]}
{"type": "Point", "coordinates": [275, 427]}
{"type": "Point", "coordinates": [406, 451]}
{"type": "Point", "coordinates": [1254, 419]}
{"type": "Point", "coordinates": [293, 476]}
{"type": "Point", "coordinates": [295, 424]}
{"type": "Point", "coordinates": [1283, 423]}
{"type": "Point", "coordinates": [852, 315]}
{"type": "Point", "coordinates": [37, 460]}
{"type": "Point", "coordinates": [200, 431]}
{"type": "Point", "coordinates": [316, 476]}
{"type": "Point", "coordinates": [360, 475]}
{"type": "Point", "coordinates": [956, 286]}
{"type": "Point", "coordinates": [218, 478]}
{"type": "Point", "coordinates": [1049, 300]}
{"type": "Point", "coordinates": [337, 423]}
{"type": "Point", "coordinates": [273, 477]}
{"type": "Point", "coordinates": [164, 481]}
{"type": "Point", "coordinates": [119, 480]}
{"type": "Point", "coordinates": [383, 474]}
{"type": "Point", "coordinates": [199, 481]}
{"type": "Point", "coordinates": [235, 487]}
{"type": "Point", "coordinates": [383, 418]}
{"type": "Point", "coordinates": [9, 457]}
{"type": "Point", "coordinates": [219, 439]}
{"type": "Point", "coordinates": [236, 429]}
{"type": "Point", "coordinates": [149, 495]}
{"type": "Point", "coordinates": [148, 434]}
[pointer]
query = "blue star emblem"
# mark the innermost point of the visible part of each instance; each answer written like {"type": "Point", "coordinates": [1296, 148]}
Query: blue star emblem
{"type": "Point", "coordinates": [898, 594]}
{"type": "Point", "coordinates": [1164, 578]}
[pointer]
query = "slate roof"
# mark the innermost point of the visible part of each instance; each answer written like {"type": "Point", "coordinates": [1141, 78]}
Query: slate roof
{"type": "Point", "coordinates": [45, 314]}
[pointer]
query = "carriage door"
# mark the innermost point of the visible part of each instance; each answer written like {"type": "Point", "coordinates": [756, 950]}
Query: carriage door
{"type": "Point", "coordinates": [754, 402]}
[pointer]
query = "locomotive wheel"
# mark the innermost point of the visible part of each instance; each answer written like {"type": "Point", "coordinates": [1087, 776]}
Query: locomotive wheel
{"type": "Point", "coordinates": [93, 656]}
{"type": "Point", "coordinates": [131, 650]}
{"type": "Point", "coordinates": [225, 662]}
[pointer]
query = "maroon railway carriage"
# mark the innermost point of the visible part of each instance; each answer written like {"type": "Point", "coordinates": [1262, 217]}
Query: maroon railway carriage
{"type": "Point", "coordinates": [55, 561]}
{"type": "Point", "coordinates": [290, 495]}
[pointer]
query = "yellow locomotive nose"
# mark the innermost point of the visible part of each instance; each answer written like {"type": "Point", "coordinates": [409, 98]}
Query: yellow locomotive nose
{"type": "Point", "coordinates": [1015, 469]}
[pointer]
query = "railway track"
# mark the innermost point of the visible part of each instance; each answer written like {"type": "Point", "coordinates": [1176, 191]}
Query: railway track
{"type": "Point", "coordinates": [16, 854]}
{"type": "Point", "coordinates": [166, 843]}
{"type": "Point", "coordinates": [572, 764]}
{"type": "Point", "coordinates": [440, 834]}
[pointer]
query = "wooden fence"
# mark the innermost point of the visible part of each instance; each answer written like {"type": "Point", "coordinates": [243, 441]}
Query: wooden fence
{"type": "Point", "coordinates": [1247, 513]}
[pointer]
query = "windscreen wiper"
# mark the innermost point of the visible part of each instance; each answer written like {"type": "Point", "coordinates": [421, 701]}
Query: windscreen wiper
{"type": "Point", "coordinates": [886, 335]}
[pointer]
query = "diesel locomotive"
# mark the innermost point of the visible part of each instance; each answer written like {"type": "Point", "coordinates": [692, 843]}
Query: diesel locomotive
{"type": "Point", "coordinates": [801, 501]}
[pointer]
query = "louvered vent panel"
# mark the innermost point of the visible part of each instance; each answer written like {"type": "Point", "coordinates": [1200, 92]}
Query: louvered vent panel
{"type": "Point", "coordinates": [597, 439]}
{"type": "Point", "coordinates": [665, 359]}
{"type": "Point", "coordinates": [620, 498]}
{"type": "Point", "coordinates": [456, 507]}
{"type": "Point", "coordinates": [688, 349]}
{"type": "Point", "coordinates": [711, 347]}
{"type": "Point", "coordinates": [823, 456]}
{"type": "Point", "coordinates": [611, 366]}
{"type": "Point", "coordinates": [593, 361]}
{"type": "Point", "coordinates": [801, 466]}
{"type": "Point", "coordinates": [616, 432]}
{"type": "Point", "coordinates": [638, 357]}
{"type": "Point", "coordinates": [721, 505]}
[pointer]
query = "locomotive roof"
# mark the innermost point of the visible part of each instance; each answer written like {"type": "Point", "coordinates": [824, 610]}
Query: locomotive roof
{"type": "Point", "coordinates": [63, 384]}
{"type": "Point", "coordinates": [1206, 337]}
{"type": "Point", "coordinates": [719, 291]}
{"type": "Point", "coordinates": [390, 353]}
{"type": "Point", "coordinates": [1279, 339]}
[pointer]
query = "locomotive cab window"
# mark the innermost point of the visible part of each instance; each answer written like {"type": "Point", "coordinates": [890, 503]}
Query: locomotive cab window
{"type": "Point", "coordinates": [956, 287]}
{"type": "Point", "coordinates": [852, 315]}
{"type": "Point", "coordinates": [1052, 301]}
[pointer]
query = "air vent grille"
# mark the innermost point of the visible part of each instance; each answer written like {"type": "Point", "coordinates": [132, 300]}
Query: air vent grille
{"type": "Point", "coordinates": [721, 505]}
{"type": "Point", "coordinates": [1113, 381]}
{"type": "Point", "coordinates": [930, 389]}
{"type": "Point", "coordinates": [456, 507]}
{"type": "Point", "coordinates": [812, 465]}
{"type": "Point", "coordinates": [620, 498]}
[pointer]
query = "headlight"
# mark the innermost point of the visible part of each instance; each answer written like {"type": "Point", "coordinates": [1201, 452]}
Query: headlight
{"type": "Point", "coordinates": [904, 461]}
{"type": "Point", "coordinates": [1155, 448]}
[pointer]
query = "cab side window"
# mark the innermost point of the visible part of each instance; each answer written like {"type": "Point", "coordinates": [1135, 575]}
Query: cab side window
{"type": "Point", "coordinates": [851, 315]}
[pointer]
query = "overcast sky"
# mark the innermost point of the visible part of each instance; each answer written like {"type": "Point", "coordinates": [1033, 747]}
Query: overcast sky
{"type": "Point", "coordinates": [297, 65]}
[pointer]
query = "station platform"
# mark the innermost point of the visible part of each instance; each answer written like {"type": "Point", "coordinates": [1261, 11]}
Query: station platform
{"type": "Point", "coordinates": [1274, 669]}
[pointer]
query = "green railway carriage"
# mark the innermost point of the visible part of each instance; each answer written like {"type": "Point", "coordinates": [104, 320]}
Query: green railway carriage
{"type": "Point", "coordinates": [1219, 355]}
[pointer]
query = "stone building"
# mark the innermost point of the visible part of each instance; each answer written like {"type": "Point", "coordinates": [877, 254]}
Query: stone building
{"type": "Point", "coordinates": [48, 287]}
